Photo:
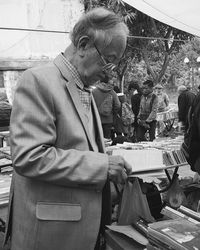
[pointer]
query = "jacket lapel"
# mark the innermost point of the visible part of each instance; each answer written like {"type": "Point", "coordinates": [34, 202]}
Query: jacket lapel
{"type": "Point", "coordinates": [79, 108]}
{"type": "Point", "coordinates": [72, 89]}
{"type": "Point", "coordinates": [99, 137]}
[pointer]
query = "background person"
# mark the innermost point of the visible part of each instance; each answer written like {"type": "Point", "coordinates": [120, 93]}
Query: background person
{"type": "Point", "coordinates": [127, 117]}
{"type": "Point", "coordinates": [148, 112]}
{"type": "Point", "coordinates": [163, 99]}
{"type": "Point", "coordinates": [60, 195]}
{"type": "Point", "coordinates": [185, 100]}
{"type": "Point", "coordinates": [108, 105]}
{"type": "Point", "coordinates": [163, 105]}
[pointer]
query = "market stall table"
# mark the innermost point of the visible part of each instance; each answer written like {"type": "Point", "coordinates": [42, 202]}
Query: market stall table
{"type": "Point", "coordinates": [4, 137]}
{"type": "Point", "coordinates": [167, 118]}
{"type": "Point", "coordinates": [170, 172]}
{"type": "Point", "coordinates": [5, 180]}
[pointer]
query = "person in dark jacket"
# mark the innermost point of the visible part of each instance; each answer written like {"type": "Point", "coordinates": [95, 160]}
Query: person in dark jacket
{"type": "Point", "coordinates": [108, 105]}
{"type": "Point", "coordinates": [136, 93]}
{"type": "Point", "coordinates": [185, 100]}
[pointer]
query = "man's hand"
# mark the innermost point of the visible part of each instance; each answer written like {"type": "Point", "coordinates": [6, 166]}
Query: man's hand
{"type": "Point", "coordinates": [118, 169]}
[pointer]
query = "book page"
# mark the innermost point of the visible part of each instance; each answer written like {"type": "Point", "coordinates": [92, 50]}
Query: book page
{"type": "Point", "coordinates": [142, 160]}
{"type": "Point", "coordinates": [131, 232]}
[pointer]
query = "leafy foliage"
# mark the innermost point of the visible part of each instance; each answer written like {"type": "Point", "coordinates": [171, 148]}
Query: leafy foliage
{"type": "Point", "coordinates": [156, 50]}
{"type": "Point", "coordinates": [187, 73]}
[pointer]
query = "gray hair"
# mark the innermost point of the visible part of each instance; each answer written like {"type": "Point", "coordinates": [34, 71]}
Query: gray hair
{"type": "Point", "coordinates": [97, 23]}
{"type": "Point", "coordinates": [181, 88]}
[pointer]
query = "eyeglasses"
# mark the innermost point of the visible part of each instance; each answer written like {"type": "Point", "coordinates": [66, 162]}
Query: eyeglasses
{"type": "Point", "coordinates": [108, 66]}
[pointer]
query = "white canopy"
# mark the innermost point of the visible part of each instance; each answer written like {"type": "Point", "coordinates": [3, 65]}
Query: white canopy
{"type": "Point", "coordinates": [181, 14]}
{"type": "Point", "coordinates": [58, 15]}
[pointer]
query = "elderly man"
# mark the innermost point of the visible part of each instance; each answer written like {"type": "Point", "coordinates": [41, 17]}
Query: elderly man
{"type": "Point", "coordinates": [60, 192]}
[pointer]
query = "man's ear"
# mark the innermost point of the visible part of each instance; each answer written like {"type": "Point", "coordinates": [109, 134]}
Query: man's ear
{"type": "Point", "coordinates": [83, 44]}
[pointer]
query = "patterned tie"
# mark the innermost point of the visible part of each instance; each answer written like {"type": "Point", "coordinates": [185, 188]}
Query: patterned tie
{"type": "Point", "coordinates": [85, 96]}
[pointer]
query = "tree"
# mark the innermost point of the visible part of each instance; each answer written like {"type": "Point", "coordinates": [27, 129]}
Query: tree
{"type": "Point", "coordinates": [156, 52]}
{"type": "Point", "coordinates": [187, 71]}
{"type": "Point", "coordinates": [161, 39]}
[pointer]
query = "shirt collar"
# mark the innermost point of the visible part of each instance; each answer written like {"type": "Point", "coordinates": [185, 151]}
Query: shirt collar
{"type": "Point", "coordinates": [73, 72]}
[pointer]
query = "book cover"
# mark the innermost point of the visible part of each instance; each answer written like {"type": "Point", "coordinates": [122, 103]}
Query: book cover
{"type": "Point", "coordinates": [179, 234]}
{"type": "Point", "coordinates": [189, 212]}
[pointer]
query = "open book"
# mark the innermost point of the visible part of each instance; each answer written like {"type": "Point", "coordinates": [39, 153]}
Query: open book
{"type": "Point", "coordinates": [142, 160]}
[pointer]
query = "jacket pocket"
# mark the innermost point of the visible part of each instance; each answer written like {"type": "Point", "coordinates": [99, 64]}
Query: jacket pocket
{"type": "Point", "coordinates": [58, 211]}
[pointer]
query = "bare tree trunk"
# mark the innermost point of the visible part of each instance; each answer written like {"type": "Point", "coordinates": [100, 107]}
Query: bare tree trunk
{"type": "Point", "coordinates": [146, 59]}
{"type": "Point", "coordinates": [164, 67]}
{"type": "Point", "coordinates": [121, 76]}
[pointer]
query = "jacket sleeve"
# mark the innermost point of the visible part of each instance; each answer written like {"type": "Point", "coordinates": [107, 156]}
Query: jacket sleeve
{"type": "Point", "coordinates": [116, 104]}
{"type": "Point", "coordinates": [135, 104]}
{"type": "Point", "coordinates": [182, 108]}
{"type": "Point", "coordinates": [34, 138]}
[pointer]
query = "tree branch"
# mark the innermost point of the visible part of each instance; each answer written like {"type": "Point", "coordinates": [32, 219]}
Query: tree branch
{"type": "Point", "coordinates": [153, 74]}
{"type": "Point", "coordinates": [164, 67]}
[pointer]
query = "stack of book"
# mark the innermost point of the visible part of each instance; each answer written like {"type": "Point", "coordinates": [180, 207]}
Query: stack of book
{"type": "Point", "coordinates": [5, 181]}
{"type": "Point", "coordinates": [6, 152]}
{"type": "Point", "coordinates": [174, 157]}
{"type": "Point", "coordinates": [5, 160]}
{"type": "Point", "coordinates": [177, 234]}
{"type": "Point", "coordinates": [181, 212]}
{"type": "Point", "coordinates": [5, 165]}
{"type": "Point", "coordinates": [181, 230]}
{"type": "Point", "coordinates": [190, 213]}
{"type": "Point", "coordinates": [159, 143]}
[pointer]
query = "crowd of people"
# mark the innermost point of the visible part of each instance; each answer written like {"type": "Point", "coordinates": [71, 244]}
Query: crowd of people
{"type": "Point", "coordinates": [146, 100]}
{"type": "Point", "coordinates": [134, 119]}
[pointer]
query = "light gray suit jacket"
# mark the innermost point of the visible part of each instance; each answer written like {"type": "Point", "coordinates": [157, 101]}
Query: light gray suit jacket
{"type": "Point", "coordinates": [58, 179]}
